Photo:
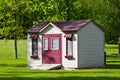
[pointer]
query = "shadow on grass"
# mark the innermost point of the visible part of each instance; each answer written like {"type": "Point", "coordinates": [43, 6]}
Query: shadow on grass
{"type": "Point", "coordinates": [113, 61]}
{"type": "Point", "coordinates": [112, 66]}
{"type": "Point", "coordinates": [13, 65]}
{"type": "Point", "coordinates": [62, 78]}
{"type": "Point", "coordinates": [111, 47]}
{"type": "Point", "coordinates": [108, 66]}
{"type": "Point", "coordinates": [112, 56]}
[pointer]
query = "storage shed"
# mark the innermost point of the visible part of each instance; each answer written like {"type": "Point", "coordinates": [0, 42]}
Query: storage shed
{"type": "Point", "coordinates": [67, 44]}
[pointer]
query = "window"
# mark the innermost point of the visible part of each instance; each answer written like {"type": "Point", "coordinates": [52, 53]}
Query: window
{"type": "Point", "coordinates": [69, 46]}
{"type": "Point", "coordinates": [45, 43]}
{"type": "Point", "coordinates": [55, 44]}
{"type": "Point", "coordinates": [34, 48]}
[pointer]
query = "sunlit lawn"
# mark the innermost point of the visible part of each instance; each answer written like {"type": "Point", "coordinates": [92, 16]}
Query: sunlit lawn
{"type": "Point", "coordinates": [12, 69]}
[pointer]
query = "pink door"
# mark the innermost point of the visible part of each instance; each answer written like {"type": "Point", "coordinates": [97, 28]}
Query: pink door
{"type": "Point", "coordinates": [51, 48]}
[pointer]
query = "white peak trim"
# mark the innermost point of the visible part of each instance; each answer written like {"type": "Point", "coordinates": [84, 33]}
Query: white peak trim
{"type": "Point", "coordinates": [48, 25]}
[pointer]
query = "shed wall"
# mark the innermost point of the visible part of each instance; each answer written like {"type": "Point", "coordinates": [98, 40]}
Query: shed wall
{"type": "Point", "coordinates": [51, 29]}
{"type": "Point", "coordinates": [65, 62]}
{"type": "Point", "coordinates": [73, 63]}
{"type": "Point", "coordinates": [90, 46]}
{"type": "Point", "coordinates": [33, 62]}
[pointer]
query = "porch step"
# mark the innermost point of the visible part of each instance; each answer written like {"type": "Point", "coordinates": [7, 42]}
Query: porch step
{"type": "Point", "coordinates": [47, 66]}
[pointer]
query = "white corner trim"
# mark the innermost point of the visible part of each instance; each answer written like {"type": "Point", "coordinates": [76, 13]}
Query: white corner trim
{"type": "Point", "coordinates": [48, 25]}
{"type": "Point", "coordinates": [44, 27]}
{"type": "Point", "coordinates": [54, 25]}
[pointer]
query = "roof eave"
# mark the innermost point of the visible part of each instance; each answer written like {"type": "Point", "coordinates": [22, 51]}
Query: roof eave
{"type": "Point", "coordinates": [69, 30]}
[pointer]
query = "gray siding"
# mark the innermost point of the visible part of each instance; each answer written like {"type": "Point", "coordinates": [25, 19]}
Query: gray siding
{"type": "Point", "coordinates": [90, 46]}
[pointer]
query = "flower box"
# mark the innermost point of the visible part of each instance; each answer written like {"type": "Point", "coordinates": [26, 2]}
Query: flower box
{"type": "Point", "coordinates": [34, 56]}
{"type": "Point", "coordinates": [69, 57]}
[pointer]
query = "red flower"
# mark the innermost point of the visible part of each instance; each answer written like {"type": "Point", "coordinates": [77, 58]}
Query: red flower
{"type": "Point", "coordinates": [34, 56]}
{"type": "Point", "coordinates": [69, 56]}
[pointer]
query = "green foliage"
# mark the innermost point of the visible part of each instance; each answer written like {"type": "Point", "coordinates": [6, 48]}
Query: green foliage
{"type": "Point", "coordinates": [12, 69]}
{"type": "Point", "coordinates": [31, 12]}
{"type": "Point", "coordinates": [8, 32]}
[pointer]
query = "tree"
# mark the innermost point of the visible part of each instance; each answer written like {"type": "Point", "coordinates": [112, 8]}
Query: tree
{"type": "Point", "coordinates": [19, 15]}
{"type": "Point", "coordinates": [109, 13]}
{"type": "Point", "coordinates": [118, 10]}
{"type": "Point", "coordinates": [12, 29]}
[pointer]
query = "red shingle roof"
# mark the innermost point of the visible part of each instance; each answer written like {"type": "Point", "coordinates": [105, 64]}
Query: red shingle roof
{"type": "Point", "coordinates": [70, 25]}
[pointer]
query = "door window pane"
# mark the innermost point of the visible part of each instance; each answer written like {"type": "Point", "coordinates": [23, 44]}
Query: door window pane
{"type": "Point", "coordinates": [55, 44]}
{"type": "Point", "coordinates": [46, 44]}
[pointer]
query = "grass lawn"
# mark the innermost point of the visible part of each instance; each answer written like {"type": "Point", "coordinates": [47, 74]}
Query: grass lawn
{"type": "Point", "coordinates": [12, 69]}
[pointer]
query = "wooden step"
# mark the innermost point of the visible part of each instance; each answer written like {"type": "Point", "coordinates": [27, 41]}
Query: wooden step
{"type": "Point", "coordinates": [47, 66]}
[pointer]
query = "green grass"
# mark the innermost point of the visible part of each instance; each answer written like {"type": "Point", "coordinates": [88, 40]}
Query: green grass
{"type": "Point", "coordinates": [12, 69]}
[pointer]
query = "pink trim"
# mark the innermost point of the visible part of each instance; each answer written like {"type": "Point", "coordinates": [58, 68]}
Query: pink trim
{"type": "Point", "coordinates": [34, 36]}
{"type": "Point", "coordinates": [34, 56]}
{"type": "Point", "coordinates": [69, 57]}
{"type": "Point", "coordinates": [68, 35]}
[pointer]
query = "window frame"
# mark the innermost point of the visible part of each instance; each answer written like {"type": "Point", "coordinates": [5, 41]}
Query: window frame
{"type": "Point", "coordinates": [71, 40]}
{"type": "Point", "coordinates": [44, 44]}
{"type": "Point", "coordinates": [58, 43]}
{"type": "Point", "coordinates": [34, 53]}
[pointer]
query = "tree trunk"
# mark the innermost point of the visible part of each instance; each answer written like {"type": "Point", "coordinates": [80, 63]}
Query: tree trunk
{"type": "Point", "coordinates": [15, 47]}
{"type": "Point", "coordinates": [119, 38]}
{"type": "Point", "coordinates": [118, 7]}
{"type": "Point", "coordinates": [15, 39]}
